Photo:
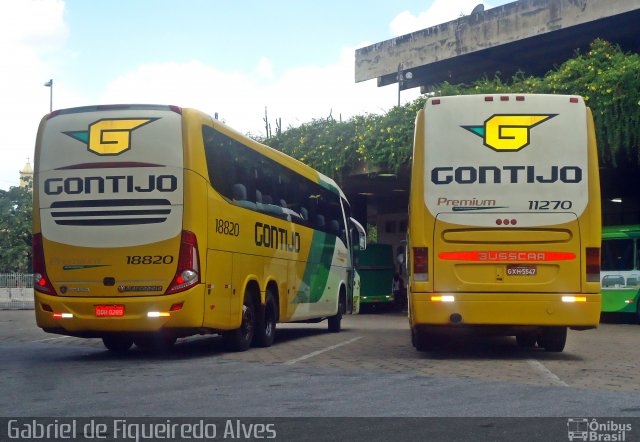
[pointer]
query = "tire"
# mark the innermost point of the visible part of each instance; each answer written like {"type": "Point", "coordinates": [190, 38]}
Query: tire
{"type": "Point", "coordinates": [265, 331]}
{"type": "Point", "coordinates": [240, 339]}
{"type": "Point", "coordinates": [553, 338]}
{"type": "Point", "coordinates": [526, 340]}
{"type": "Point", "coordinates": [117, 343]}
{"type": "Point", "coordinates": [335, 322]}
{"type": "Point", "coordinates": [422, 341]}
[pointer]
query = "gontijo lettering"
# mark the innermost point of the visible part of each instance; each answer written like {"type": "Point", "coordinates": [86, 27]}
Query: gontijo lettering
{"type": "Point", "coordinates": [110, 184]}
{"type": "Point", "coordinates": [276, 238]}
{"type": "Point", "coordinates": [506, 174]}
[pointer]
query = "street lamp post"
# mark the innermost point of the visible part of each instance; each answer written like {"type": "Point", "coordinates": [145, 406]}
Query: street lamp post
{"type": "Point", "coordinates": [400, 66]}
{"type": "Point", "coordinates": [402, 76]}
{"type": "Point", "coordinates": [49, 84]}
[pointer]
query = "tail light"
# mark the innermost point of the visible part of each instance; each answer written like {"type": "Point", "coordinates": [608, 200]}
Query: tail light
{"type": "Point", "coordinates": [420, 264]}
{"type": "Point", "coordinates": [188, 272]}
{"type": "Point", "coordinates": [593, 264]}
{"type": "Point", "coordinates": [41, 281]}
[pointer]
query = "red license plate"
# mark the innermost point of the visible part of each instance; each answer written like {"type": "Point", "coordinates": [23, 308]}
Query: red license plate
{"type": "Point", "coordinates": [109, 310]}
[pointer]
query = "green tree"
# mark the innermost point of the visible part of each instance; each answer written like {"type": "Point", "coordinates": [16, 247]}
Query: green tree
{"type": "Point", "coordinates": [606, 77]}
{"type": "Point", "coordinates": [15, 229]}
{"type": "Point", "coordinates": [609, 81]}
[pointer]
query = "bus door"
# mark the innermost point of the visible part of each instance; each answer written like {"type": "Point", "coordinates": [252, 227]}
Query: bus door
{"type": "Point", "coordinates": [358, 240]}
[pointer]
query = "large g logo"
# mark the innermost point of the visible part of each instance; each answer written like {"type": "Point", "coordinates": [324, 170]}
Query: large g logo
{"type": "Point", "coordinates": [109, 136]}
{"type": "Point", "coordinates": [508, 133]}
{"type": "Point", "coordinates": [112, 137]}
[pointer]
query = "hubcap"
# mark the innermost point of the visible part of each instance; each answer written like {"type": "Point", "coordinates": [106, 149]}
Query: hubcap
{"type": "Point", "coordinates": [247, 322]}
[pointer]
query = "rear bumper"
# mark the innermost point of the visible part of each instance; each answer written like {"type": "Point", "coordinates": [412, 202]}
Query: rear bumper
{"type": "Point", "coordinates": [376, 299]}
{"type": "Point", "coordinates": [85, 323]}
{"type": "Point", "coordinates": [511, 309]}
{"type": "Point", "coordinates": [620, 301]}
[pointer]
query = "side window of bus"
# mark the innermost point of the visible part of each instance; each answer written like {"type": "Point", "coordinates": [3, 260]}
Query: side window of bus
{"type": "Point", "coordinates": [617, 254]}
{"type": "Point", "coordinates": [219, 153]}
{"type": "Point", "coordinates": [255, 182]}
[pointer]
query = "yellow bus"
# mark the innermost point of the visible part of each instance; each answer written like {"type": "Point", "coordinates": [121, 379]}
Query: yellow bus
{"type": "Point", "coordinates": [157, 222]}
{"type": "Point", "coordinates": [504, 219]}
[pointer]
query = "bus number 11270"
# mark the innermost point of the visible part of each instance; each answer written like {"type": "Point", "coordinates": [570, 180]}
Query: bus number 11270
{"type": "Point", "coordinates": [549, 205]}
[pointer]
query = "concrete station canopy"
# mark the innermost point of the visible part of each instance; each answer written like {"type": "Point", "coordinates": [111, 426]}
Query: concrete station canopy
{"type": "Point", "coordinates": [527, 35]}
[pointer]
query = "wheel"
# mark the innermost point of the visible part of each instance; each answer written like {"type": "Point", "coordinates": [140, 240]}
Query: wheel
{"type": "Point", "coordinates": [265, 331]}
{"type": "Point", "coordinates": [117, 343]}
{"type": "Point", "coordinates": [526, 340]}
{"type": "Point", "coordinates": [553, 338]}
{"type": "Point", "coordinates": [334, 322]}
{"type": "Point", "coordinates": [240, 338]}
{"type": "Point", "coordinates": [422, 341]}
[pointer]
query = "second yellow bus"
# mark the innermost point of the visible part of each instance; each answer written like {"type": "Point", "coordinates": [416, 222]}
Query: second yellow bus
{"type": "Point", "coordinates": [504, 219]}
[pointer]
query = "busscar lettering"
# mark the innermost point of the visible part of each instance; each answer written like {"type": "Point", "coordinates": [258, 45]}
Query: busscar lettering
{"type": "Point", "coordinates": [274, 237]}
{"type": "Point", "coordinates": [110, 184]}
{"type": "Point", "coordinates": [506, 174]}
{"type": "Point", "coordinates": [512, 256]}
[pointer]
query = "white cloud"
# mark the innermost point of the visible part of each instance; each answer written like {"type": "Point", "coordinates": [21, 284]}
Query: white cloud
{"type": "Point", "coordinates": [297, 96]}
{"type": "Point", "coordinates": [265, 68]}
{"type": "Point", "coordinates": [29, 30]}
{"type": "Point", "coordinates": [33, 35]}
{"type": "Point", "coordinates": [440, 11]}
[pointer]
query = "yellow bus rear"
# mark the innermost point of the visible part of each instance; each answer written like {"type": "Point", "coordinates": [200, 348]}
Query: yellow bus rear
{"type": "Point", "coordinates": [504, 222]}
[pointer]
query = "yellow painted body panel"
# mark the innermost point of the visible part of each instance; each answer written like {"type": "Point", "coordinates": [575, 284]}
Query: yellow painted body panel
{"type": "Point", "coordinates": [506, 309]}
{"type": "Point", "coordinates": [135, 318]}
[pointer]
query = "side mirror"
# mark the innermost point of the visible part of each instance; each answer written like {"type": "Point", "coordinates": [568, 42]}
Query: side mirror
{"type": "Point", "coordinates": [362, 234]}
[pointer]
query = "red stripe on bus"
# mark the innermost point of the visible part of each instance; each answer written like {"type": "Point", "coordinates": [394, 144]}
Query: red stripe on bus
{"type": "Point", "coordinates": [507, 256]}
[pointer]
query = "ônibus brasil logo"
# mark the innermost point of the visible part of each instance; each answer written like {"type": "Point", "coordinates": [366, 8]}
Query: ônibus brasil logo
{"type": "Point", "coordinates": [109, 136]}
{"type": "Point", "coordinates": [508, 133]}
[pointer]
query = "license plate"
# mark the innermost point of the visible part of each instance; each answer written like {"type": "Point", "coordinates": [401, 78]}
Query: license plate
{"type": "Point", "coordinates": [521, 270]}
{"type": "Point", "coordinates": [109, 310]}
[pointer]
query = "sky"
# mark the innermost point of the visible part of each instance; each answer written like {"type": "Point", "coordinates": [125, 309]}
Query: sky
{"type": "Point", "coordinates": [293, 57]}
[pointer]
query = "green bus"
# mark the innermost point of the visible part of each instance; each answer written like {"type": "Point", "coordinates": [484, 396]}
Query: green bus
{"type": "Point", "coordinates": [376, 268]}
{"type": "Point", "coordinates": [620, 269]}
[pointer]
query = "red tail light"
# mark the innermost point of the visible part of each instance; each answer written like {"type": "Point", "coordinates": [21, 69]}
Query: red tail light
{"type": "Point", "coordinates": [41, 281]}
{"type": "Point", "coordinates": [420, 264]}
{"type": "Point", "coordinates": [593, 264]}
{"type": "Point", "coordinates": [188, 272]}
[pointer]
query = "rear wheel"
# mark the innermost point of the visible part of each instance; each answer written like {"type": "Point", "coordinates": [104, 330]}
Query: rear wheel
{"type": "Point", "coordinates": [117, 343]}
{"type": "Point", "coordinates": [553, 338]}
{"type": "Point", "coordinates": [265, 331]}
{"type": "Point", "coordinates": [240, 338]}
{"type": "Point", "coordinates": [335, 322]}
{"type": "Point", "coordinates": [422, 341]}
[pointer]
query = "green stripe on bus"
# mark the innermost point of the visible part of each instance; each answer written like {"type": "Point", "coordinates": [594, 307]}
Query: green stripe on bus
{"type": "Point", "coordinates": [316, 273]}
